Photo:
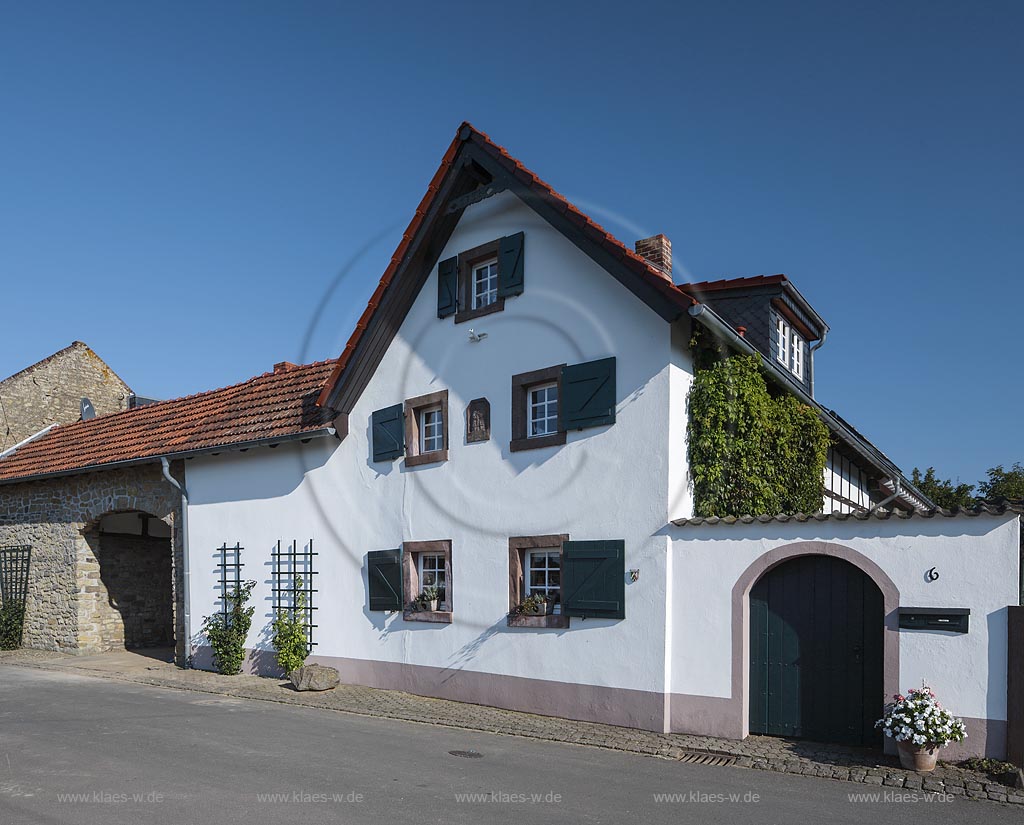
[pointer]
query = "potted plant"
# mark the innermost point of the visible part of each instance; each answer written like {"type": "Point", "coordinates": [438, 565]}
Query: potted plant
{"type": "Point", "coordinates": [920, 726]}
{"type": "Point", "coordinates": [536, 605]}
{"type": "Point", "coordinates": [427, 600]}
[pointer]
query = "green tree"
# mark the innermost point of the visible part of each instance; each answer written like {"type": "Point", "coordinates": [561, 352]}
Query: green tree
{"type": "Point", "coordinates": [1003, 483]}
{"type": "Point", "coordinates": [944, 493]}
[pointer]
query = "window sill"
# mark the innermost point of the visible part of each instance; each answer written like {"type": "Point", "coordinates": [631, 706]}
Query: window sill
{"type": "Point", "coordinates": [433, 457]}
{"type": "Point", "coordinates": [469, 314]}
{"type": "Point", "coordinates": [554, 440]}
{"type": "Point", "coordinates": [437, 616]}
{"type": "Point", "coordinates": [551, 620]}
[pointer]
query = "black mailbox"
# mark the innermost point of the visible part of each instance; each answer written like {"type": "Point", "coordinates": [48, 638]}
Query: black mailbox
{"type": "Point", "coordinates": [954, 619]}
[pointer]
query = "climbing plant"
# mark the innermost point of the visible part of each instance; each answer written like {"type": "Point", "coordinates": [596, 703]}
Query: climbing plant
{"type": "Point", "coordinates": [289, 628]}
{"type": "Point", "coordinates": [228, 630]}
{"type": "Point", "coordinates": [751, 453]}
{"type": "Point", "coordinates": [12, 620]}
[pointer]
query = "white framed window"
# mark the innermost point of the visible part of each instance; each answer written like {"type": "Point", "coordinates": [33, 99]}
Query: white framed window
{"type": "Point", "coordinates": [433, 573]}
{"type": "Point", "coordinates": [543, 573]}
{"type": "Point", "coordinates": [431, 430]}
{"type": "Point", "coordinates": [798, 356]}
{"type": "Point", "coordinates": [782, 335]}
{"type": "Point", "coordinates": [485, 284]}
{"type": "Point", "coordinates": [542, 409]}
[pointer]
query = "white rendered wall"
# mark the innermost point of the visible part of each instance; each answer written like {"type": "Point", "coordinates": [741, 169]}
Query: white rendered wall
{"type": "Point", "coordinates": [977, 562]}
{"type": "Point", "coordinates": [605, 483]}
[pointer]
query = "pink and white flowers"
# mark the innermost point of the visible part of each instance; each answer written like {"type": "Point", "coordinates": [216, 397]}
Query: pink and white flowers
{"type": "Point", "coordinates": [918, 719]}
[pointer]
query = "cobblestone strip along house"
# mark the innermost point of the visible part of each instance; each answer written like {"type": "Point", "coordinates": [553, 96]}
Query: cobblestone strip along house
{"type": "Point", "coordinates": [51, 391]}
{"type": "Point", "coordinates": [105, 524]}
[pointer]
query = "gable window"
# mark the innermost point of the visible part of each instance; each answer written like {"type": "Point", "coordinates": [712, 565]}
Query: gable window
{"type": "Point", "coordinates": [543, 410]}
{"type": "Point", "coordinates": [535, 421]}
{"type": "Point", "coordinates": [485, 284]}
{"type": "Point", "coordinates": [426, 429]}
{"type": "Point", "coordinates": [477, 281]}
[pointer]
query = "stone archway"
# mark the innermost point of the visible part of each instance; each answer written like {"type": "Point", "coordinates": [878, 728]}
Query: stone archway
{"type": "Point", "coordinates": [129, 602]}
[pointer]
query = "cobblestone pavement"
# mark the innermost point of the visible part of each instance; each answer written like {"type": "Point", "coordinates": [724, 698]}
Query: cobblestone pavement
{"type": "Point", "coordinates": [860, 765]}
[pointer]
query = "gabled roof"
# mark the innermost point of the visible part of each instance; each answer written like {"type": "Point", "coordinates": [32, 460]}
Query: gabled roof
{"type": "Point", "coordinates": [474, 162]}
{"type": "Point", "coordinates": [74, 345]}
{"type": "Point", "coordinates": [276, 406]}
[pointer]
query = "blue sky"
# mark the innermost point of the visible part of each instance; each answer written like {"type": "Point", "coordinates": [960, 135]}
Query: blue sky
{"type": "Point", "coordinates": [180, 183]}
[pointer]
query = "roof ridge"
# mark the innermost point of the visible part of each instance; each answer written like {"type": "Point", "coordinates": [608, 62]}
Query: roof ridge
{"type": "Point", "coordinates": [465, 133]}
{"type": "Point", "coordinates": [155, 405]}
{"type": "Point", "coordinates": [73, 345]}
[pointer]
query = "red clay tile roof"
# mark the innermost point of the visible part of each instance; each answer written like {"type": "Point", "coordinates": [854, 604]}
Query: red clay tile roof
{"type": "Point", "coordinates": [466, 132]}
{"type": "Point", "coordinates": [273, 405]}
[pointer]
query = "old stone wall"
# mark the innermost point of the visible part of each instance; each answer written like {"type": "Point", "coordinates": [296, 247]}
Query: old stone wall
{"type": "Point", "coordinates": [67, 607]}
{"type": "Point", "coordinates": [51, 392]}
{"type": "Point", "coordinates": [135, 579]}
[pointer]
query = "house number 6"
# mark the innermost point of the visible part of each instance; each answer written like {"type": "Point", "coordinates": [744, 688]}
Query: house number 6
{"type": "Point", "coordinates": [932, 574]}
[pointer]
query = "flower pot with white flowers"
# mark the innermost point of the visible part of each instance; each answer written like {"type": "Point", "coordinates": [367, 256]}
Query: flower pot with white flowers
{"type": "Point", "coordinates": [920, 726]}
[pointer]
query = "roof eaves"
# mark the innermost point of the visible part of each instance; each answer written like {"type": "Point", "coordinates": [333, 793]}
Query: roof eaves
{"type": "Point", "coordinates": [236, 446]}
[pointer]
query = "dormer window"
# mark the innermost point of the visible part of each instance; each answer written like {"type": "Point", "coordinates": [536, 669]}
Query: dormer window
{"type": "Point", "coordinates": [789, 348]}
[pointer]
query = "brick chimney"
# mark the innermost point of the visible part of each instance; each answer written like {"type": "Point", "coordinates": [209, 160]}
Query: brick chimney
{"type": "Point", "coordinates": [658, 252]}
{"type": "Point", "coordinates": [284, 366]}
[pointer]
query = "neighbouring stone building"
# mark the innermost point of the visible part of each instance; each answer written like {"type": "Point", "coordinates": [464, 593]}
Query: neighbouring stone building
{"type": "Point", "coordinates": [105, 524]}
{"type": "Point", "coordinates": [50, 392]}
{"type": "Point", "coordinates": [106, 558]}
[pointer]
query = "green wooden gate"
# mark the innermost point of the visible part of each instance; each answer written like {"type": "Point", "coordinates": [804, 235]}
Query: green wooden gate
{"type": "Point", "coordinates": [816, 625]}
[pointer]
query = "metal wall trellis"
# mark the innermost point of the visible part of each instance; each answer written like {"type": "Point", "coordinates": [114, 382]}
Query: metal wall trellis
{"type": "Point", "coordinates": [230, 566]}
{"type": "Point", "coordinates": [14, 565]}
{"type": "Point", "coordinates": [290, 566]}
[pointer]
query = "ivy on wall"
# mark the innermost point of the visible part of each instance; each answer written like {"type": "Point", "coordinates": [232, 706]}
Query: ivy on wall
{"type": "Point", "coordinates": [751, 453]}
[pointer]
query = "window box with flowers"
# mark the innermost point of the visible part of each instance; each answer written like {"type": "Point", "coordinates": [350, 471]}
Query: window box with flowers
{"type": "Point", "coordinates": [535, 582]}
{"type": "Point", "coordinates": [427, 581]}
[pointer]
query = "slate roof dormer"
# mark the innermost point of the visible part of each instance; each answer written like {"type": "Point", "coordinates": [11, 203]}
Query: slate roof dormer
{"type": "Point", "coordinates": [775, 318]}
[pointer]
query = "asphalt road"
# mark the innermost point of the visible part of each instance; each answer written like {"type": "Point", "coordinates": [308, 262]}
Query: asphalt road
{"type": "Point", "coordinates": [79, 749]}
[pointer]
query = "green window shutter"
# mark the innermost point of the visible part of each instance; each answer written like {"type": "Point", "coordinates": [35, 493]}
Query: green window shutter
{"type": "Point", "coordinates": [594, 579]}
{"type": "Point", "coordinates": [388, 433]}
{"type": "Point", "coordinates": [510, 265]}
{"type": "Point", "coordinates": [384, 574]}
{"type": "Point", "coordinates": [587, 395]}
{"type": "Point", "coordinates": [447, 287]}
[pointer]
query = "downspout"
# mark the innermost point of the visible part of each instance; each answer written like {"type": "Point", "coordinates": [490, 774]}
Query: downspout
{"type": "Point", "coordinates": [186, 601]}
{"type": "Point", "coordinates": [816, 346]}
